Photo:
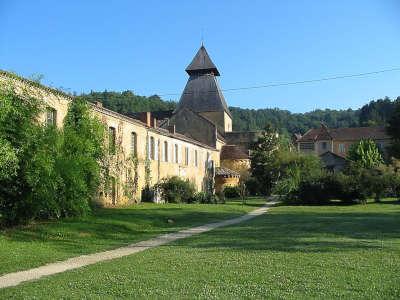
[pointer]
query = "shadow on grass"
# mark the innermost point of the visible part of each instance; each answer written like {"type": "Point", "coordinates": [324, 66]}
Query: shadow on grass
{"type": "Point", "coordinates": [113, 227]}
{"type": "Point", "coordinates": [308, 232]}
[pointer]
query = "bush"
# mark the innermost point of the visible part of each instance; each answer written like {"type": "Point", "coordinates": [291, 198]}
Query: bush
{"type": "Point", "coordinates": [46, 172]}
{"type": "Point", "coordinates": [253, 187]}
{"type": "Point", "coordinates": [231, 192]}
{"type": "Point", "coordinates": [176, 190]}
{"type": "Point", "coordinates": [147, 195]}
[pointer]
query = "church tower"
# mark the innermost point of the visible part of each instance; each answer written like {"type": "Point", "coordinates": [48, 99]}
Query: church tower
{"type": "Point", "coordinates": [202, 93]}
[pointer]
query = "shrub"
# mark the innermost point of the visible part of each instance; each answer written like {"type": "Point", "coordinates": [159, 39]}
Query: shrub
{"type": "Point", "coordinates": [253, 187]}
{"type": "Point", "coordinates": [231, 192]}
{"type": "Point", "coordinates": [46, 172]}
{"type": "Point", "coordinates": [147, 194]}
{"type": "Point", "coordinates": [176, 190]}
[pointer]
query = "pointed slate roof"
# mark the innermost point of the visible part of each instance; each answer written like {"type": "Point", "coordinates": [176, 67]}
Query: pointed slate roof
{"type": "Point", "coordinates": [202, 92]}
{"type": "Point", "coordinates": [202, 64]}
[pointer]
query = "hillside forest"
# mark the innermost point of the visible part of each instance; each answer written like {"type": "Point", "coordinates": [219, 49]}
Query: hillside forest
{"type": "Point", "coordinates": [376, 112]}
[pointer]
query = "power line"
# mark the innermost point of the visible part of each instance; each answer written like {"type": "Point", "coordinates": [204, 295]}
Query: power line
{"type": "Point", "coordinates": [268, 85]}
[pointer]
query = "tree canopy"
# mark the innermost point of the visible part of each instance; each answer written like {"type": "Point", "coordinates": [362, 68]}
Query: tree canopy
{"type": "Point", "coordinates": [377, 112]}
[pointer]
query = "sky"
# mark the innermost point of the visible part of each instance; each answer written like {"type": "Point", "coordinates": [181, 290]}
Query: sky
{"type": "Point", "coordinates": [145, 46]}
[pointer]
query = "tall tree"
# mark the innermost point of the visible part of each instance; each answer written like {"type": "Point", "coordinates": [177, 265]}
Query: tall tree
{"type": "Point", "coordinates": [394, 130]}
{"type": "Point", "coordinates": [263, 159]}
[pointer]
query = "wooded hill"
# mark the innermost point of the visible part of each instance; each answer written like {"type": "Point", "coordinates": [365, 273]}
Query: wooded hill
{"type": "Point", "coordinates": [376, 112]}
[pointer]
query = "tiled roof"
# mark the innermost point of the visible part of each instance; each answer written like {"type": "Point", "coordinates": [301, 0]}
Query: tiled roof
{"type": "Point", "coordinates": [233, 152]}
{"type": "Point", "coordinates": [345, 134]}
{"type": "Point", "coordinates": [225, 172]}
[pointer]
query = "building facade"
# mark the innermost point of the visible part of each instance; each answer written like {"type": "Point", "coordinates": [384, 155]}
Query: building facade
{"type": "Point", "coordinates": [332, 144]}
{"type": "Point", "coordinates": [143, 149]}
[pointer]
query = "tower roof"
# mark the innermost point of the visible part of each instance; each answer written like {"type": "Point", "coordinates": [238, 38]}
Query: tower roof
{"type": "Point", "coordinates": [202, 94]}
{"type": "Point", "coordinates": [201, 63]}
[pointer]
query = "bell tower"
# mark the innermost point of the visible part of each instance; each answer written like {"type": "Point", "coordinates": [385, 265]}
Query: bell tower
{"type": "Point", "coordinates": [202, 93]}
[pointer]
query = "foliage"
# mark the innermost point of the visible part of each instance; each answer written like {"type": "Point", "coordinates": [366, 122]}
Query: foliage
{"type": "Point", "coordinates": [375, 113]}
{"type": "Point", "coordinates": [176, 190]}
{"type": "Point", "coordinates": [50, 173]}
{"type": "Point", "coordinates": [365, 153]}
{"type": "Point", "coordinates": [206, 198]}
{"type": "Point", "coordinates": [263, 158]}
{"type": "Point", "coordinates": [393, 130]}
{"type": "Point", "coordinates": [232, 192]}
{"type": "Point", "coordinates": [127, 102]}
{"type": "Point", "coordinates": [18, 132]}
{"type": "Point", "coordinates": [147, 194]}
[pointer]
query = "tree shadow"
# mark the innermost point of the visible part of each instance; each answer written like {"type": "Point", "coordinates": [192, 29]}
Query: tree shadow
{"type": "Point", "coordinates": [307, 232]}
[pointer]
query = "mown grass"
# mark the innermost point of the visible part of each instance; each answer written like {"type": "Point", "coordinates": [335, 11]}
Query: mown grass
{"type": "Point", "coordinates": [293, 252]}
{"type": "Point", "coordinates": [34, 245]}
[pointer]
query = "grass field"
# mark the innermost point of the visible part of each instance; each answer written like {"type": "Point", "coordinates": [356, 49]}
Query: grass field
{"type": "Point", "coordinates": [30, 246]}
{"type": "Point", "coordinates": [291, 252]}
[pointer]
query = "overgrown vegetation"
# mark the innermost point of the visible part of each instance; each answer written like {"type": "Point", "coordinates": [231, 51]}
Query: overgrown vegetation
{"type": "Point", "coordinates": [46, 172]}
{"type": "Point", "coordinates": [301, 179]}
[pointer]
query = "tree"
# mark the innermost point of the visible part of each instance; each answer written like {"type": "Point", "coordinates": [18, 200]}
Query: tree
{"type": "Point", "coordinates": [366, 154]}
{"type": "Point", "coordinates": [263, 158]}
{"type": "Point", "coordinates": [393, 130]}
{"type": "Point", "coordinates": [46, 172]}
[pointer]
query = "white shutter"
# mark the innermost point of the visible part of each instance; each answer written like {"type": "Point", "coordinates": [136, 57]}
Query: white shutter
{"type": "Point", "coordinates": [179, 154]}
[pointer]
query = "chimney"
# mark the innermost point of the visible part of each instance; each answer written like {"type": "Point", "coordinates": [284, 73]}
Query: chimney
{"type": "Point", "coordinates": [98, 104]}
{"type": "Point", "coordinates": [145, 117]}
{"type": "Point", "coordinates": [171, 129]}
{"type": "Point", "coordinates": [154, 123]}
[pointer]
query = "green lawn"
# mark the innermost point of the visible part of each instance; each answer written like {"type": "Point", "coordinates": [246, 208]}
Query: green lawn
{"type": "Point", "coordinates": [30, 246]}
{"type": "Point", "coordinates": [291, 252]}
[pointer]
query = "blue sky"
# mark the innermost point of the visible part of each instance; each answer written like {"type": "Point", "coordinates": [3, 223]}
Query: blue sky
{"type": "Point", "coordinates": [145, 46]}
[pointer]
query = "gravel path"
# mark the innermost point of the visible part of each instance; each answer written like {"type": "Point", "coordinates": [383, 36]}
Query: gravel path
{"type": "Point", "coordinates": [13, 279]}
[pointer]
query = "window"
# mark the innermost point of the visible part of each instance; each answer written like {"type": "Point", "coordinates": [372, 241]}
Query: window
{"type": "Point", "coordinates": [196, 162]}
{"type": "Point", "coordinates": [166, 151]}
{"type": "Point", "coordinates": [152, 148]}
{"type": "Point", "coordinates": [324, 145]}
{"type": "Point", "coordinates": [176, 153]}
{"type": "Point", "coordinates": [306, 146]}
{"type": "Point", "coordinates": [111, 140]}
{"type": "Point", "coordinates": [133, 144]}
{"type": "Point", "coordinates": [342, 149]}
{"type": "Point", "coordinates": [186, 156]}
{"type": "Point", "coordinates": [51, 116]}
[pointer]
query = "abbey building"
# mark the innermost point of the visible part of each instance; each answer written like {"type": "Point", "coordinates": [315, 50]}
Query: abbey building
{"type": "Point", "coordinates": [195, 141]}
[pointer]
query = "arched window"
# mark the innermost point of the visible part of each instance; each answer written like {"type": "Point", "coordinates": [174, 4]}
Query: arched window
{"type": "Point", "coordinates": [165, 151]}
{"type": "Point", "coordinates": [196, 158]}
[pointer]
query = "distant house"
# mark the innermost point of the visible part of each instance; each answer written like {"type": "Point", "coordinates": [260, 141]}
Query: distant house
{"type": "Point", "coordinates": [332, 144]}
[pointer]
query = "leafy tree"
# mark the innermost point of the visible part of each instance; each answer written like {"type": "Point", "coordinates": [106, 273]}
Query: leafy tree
{"type": "Point", "coordinates": [365, 153]}
{"type": "Point", "coordinates": [19, 130]}
{"type": "Point", "coordinates": [46, 172]}
{"type": "Point", "coordinates": [393, 130]}
{"type": "Point", "coordinates": [263, 158]}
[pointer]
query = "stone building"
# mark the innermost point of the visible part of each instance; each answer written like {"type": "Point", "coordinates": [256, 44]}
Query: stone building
{"type": "Point", "coordinates": [332, 144]}
{"type": "Point", "coordinates": [150, 146]}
